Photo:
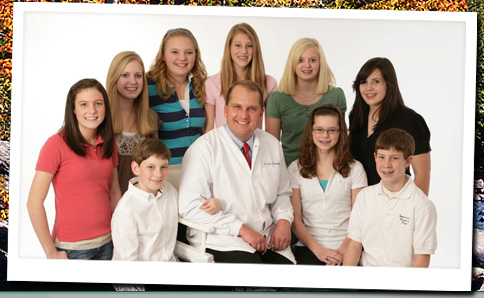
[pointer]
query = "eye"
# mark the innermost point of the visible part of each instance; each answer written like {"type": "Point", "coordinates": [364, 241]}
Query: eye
{"type": "Point", "coordinates": [301, 60]}
{"type": "Point", "coordinates": [313, 60]}
{"type": "Point", "coordinates": [99, 103]}
{"type": "Point", "coordinates": [83, 104]}
{"type": "Point", "coordinates": [332, 130]}
{"type": "Point", "coordinates": [124, 75]}
{"type": "Point", "coordinates": [174, 52]}
{"type": "Point", "coordinates": [164, 168]}
{"type": "Point", "coordinates": [363, 82]}
{"type": "Point", "coordinates": [250, 46]}
{"type": "Point", "coordinates": [139, 76]}
{"type": "Point", "coordinates": [376, 81]}
{"type": "Point", "coordinates": [190, 52]}
{"type": "Point", "coordinates": [150, 167]}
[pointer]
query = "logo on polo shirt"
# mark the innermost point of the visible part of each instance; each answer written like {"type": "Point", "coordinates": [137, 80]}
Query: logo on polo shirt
{"type": "Point", "coordinates": [404, 219]}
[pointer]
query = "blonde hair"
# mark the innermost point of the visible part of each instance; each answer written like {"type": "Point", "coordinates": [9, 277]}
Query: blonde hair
{"type": "Point", "coordinates": [326, 80]}
{"type": "Point", "coordinates": [146, 126]}
{"type": "Point", "coordinates": [256, 65]}
{"type": "Point", "coordinates": [159, 74]}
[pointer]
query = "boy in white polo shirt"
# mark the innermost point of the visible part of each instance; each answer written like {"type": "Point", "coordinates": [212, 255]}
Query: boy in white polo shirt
{"type": "Point", "coordinates": [145, 221]}
{"type": "Point", "coordinates": [393, 222]}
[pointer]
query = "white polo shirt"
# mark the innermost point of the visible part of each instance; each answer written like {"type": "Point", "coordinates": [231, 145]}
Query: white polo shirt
{"type": "Point", "coordinates": [143, 226]}
{"type": "Point", "coordinates": [325, 214]}
{"type": "Point", "coordinates": [392, 230]}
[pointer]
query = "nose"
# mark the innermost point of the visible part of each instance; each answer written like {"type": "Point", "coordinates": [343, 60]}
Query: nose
{"type": "Point", "coordinates": [369, 86]}
{"type": "Point", "coordinates": [158, 172]}
{"type": "Point", "coordinates": [92, 108]}
{"type": "Point", "coordinates": [183, 56]}
{"type": "Point", "coordinates": [131, 79]}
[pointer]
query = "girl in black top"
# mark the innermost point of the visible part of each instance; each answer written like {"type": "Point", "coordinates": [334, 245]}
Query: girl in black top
{"type": "Point", "coordinates": [379, 106]}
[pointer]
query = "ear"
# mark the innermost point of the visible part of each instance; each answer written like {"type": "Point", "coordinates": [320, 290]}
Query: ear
{"type": "Point", "coordinates": [409, 161]}
{"type": "Point", "coordinates": [225, 111]}
{"type": "Point", "coordinates": [374, 155]}
{"type": "Point", "coordinates": [135, 168]}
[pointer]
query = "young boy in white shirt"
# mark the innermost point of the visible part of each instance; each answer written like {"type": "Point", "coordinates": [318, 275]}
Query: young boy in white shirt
{"type": "Point", "coordinates": [393, 222]}
{"type": "Point", "coordinates": [145, 221]}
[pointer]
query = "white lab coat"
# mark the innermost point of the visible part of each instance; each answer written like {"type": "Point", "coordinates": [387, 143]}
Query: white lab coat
{"type": "Point", "coordinates": [214, 166]}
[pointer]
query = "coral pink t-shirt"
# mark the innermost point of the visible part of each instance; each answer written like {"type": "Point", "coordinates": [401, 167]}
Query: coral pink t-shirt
{"type": "Point", "coordinates": [213, 86]}
{"type": "Point", "coordinates": [82, 187]}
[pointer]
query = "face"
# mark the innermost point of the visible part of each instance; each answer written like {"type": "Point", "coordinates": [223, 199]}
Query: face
{"type": "Point", "coordinates": [179, 56]}
{"type": "Point", "coordinates": [243, 112]}
{"type": "Point", "coordinates": [391, 165]}
{"type": "Point", "coordinates": [325, 132]}
{"type": "Point", "coordinates": [130, 83]}
{"type": "Point", "coordinates": [241, 50]}
{"type": "Point", "coordinates": [373, 89]}
{"type": "Point", "coordinates": [89, 110]}
{"type": "Point", "coordinates": [151, 173]}
{"type": "Point", "coordinates": [307, 69]}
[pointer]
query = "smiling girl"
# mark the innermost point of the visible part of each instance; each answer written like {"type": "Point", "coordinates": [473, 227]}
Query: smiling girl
{"type": "Point", "coordinates": [379, 106]}
{"type": "Point", "coordinates": [242, 60]}
{"type": "Point", "coordinates": [133, 120]}
{"type": "Point", "coordinates": [325, 181]}
{"type": "Point", "coordinates": [176, 92]}
{"type": "Point", "coordinates": [81, 163]}
{"type": "Point", "coordinates": [307, 82]}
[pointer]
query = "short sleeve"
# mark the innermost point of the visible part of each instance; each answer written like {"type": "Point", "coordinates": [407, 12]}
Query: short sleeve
{"type": "Point", "coordinates": [425, 235]}
{"type": "Point", "coordinates": [294, 175]}
{"type": "Point", "coordinates": [340, 99]}
{"type": "Point", "coordinates": [115, 155]}
{"type": "Point", "coordinates": [212, 90]}
{"type": "Point", "coordinates": [271, 86]}
{"type": "Point", "coordinates": [50, 155]}
{"type": "Point", "coordinates": [354, 226]}
{"type": "Point", "coordinates": [273, 108]}
{"type": "Point", "coordinates": [415, 125]}
{"type": "Point", "coordinates": [358, 176]}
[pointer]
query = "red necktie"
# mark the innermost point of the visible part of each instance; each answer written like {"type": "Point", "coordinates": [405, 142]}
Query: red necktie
{"type": "Point", "coordinates": [245, 148]}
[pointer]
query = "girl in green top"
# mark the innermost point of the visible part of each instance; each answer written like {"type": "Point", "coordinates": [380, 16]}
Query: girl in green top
{"type": "Point", "coordinates": [307, 82]}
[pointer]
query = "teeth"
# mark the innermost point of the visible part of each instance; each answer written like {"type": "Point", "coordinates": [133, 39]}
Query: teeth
{"type": "Point", "coordinates": [132, 88]}
{"type": "Point", "coordinates": [91, 118]}
{"type": "Point", "coordinates": [242, 122]}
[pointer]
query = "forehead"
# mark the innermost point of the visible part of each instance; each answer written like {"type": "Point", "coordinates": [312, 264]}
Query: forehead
{"type": "Point", "coordinates": [390, 152]}
{"type": "Point", "coordinates": [376, 73]}
{"type": "Point", "coordinates": [155, 159]}
{"type": "Point", "coordinates": [326, 120]}
{"type": "Point", "coordinates": [179, 41]}
{"type": "Point", "coordinates": [310, 51]}
{"type": "Point", "coordinates": [133, 65]}
{"type": "Point", "coordinates": [240, 95]}
{"type": "Point", "coordinates": [89, 94]}
{"type": "Point", "coordinates": [241, 36]}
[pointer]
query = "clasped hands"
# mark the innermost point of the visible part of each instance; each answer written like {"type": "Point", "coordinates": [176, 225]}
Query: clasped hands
{"type": "Point", "coordinates": [280, 237]}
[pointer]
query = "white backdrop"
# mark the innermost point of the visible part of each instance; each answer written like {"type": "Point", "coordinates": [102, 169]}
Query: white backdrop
{"type": "Point", "coordinates": [55, 45]}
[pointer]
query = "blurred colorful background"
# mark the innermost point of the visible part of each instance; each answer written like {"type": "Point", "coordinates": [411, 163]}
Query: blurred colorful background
{"type": "Point", "coordinates": [6, 33]}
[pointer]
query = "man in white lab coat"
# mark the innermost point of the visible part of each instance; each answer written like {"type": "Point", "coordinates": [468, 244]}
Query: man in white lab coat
{"type": "Point", "coordinates": [254, 223]}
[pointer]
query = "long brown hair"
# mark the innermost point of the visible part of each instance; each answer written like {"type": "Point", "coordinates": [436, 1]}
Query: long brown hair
{"type": "Point", "coordinates": [158, 71]}
{"type": "Point", "coordinates": [144, 123]}
{"type": "Point", "coordinates": [256, 65]}
{"type": "Point", "coordinates": [308, 152]}
{"type": "Point", "coordinates": [391, 105]}
{"type": "Point", "coordinates": [72, 135]}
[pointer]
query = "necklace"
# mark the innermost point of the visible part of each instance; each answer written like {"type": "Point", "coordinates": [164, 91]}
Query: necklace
{"type": "Point", "coordinates": [308, 98]}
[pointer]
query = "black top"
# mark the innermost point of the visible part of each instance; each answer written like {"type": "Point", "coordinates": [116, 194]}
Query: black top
{"type": "Point", "coordinates": [363, 146]}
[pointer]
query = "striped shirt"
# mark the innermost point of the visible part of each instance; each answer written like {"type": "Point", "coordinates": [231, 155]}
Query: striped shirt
{"type": "Point", "coordinates": [179, 129]}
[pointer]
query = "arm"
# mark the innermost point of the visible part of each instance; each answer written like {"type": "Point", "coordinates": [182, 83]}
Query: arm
{"type": "Point", "coordinates": [124, 233]}
{"type": "Point", "coordinates": [329, 256]}
{"type": "Point", "coordinates": [255, 239]}
{"type": "Point", "coordinates": [273, 126]}
{"type": "Point", "coordinates": [209, 117]}
{"type": "Point", "coordinates": [212, 206]}
{"type": "Point", "coordinates": [115, 193]}
{"type": "Point", "coordinates": [421, 261]}
{"type": "Point", "coordinates": [421, 168]}
{"type": "Point", "coordinates": [38, 217]}
{"type": "Point", "coordinates": [353, 253]}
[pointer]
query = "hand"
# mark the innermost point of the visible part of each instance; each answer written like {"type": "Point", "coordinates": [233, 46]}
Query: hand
{"type": "Point", "coordinates": [255, 239]}
{"type": "Point", "coordinates": [329, 256]}
{"type": "Point", "coordinates": [58, 255]}
{"type": "Point", "coordinates": [211, 206]}
{"type": "Point", "coordinates": [281, 235]}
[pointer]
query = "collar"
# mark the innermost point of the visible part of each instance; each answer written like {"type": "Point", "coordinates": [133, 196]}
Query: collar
{"type": "Point", "coordinates": [140, 194]}
{"type": "Point", "coordinates": [238, 142]}
{"type": "Point", "coordinates": [404, 193]}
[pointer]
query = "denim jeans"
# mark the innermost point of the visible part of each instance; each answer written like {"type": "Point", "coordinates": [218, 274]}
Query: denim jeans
{"type": "Point", "coordinates": [104, 252]}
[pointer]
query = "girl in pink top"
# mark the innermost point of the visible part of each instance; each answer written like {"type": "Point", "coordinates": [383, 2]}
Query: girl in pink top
{"type": "Point", "coordinates": [242, 60]}
{"type": "Point", "coordinates": [80, 161]}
